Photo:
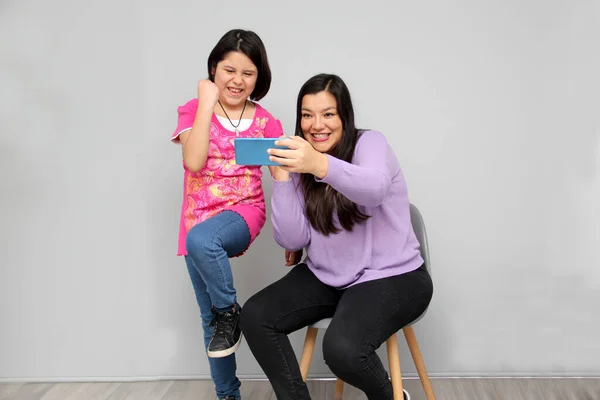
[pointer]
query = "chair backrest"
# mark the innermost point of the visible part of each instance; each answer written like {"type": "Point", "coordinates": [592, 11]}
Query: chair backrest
{"type": "Point", "coordinates": [419, 227]}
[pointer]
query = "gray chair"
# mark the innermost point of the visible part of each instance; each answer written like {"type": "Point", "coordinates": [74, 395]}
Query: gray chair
{"type": "Point", "coordinates": [392, 343]}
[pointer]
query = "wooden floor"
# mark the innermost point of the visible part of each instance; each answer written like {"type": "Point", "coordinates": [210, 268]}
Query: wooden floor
{"type": "Point", "coordinates": [445, 389]}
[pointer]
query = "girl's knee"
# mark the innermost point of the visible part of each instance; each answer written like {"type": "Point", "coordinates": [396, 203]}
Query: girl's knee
{"type": "Point", "coordinates": [201, 242]}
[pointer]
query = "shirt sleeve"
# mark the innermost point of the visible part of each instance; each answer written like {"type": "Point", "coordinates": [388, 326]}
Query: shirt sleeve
{"type": "Point", "coordinates": [291, 228]}
{"type": "Point", "coordinates": [273, 129]}
{"type": "Point", "coordinates": [185, 118]}
{"type": "Point", "coordinates": [367, 180]}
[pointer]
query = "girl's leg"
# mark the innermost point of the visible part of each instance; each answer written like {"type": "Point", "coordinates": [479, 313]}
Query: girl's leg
{"type": "Point", "coordinates": [210, 244]}
{"type": "Point", "coordinates": [366, 316]}
{"type": "Point", "coordinates": [222, 370]}
{"type": "Point", "coordinates": [293, 302]}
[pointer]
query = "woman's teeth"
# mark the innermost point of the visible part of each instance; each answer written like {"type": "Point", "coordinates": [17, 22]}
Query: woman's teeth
{"type": "Point", "coordinates": [320, 135]}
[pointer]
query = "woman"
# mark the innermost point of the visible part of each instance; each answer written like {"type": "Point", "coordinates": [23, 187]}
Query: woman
{"type": "Point", "coordinates": [339, 194]}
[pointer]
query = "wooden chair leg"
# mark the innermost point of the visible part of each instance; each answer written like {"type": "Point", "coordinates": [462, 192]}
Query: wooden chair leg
{"type": "Point", "coordinates": [394, 359]}
{"type": "Point", "coordinates": [413, 346]}
{"type": "Point", "coordinates": [307, 350]}
{"type": "Point", "coordinates": [339, 389]}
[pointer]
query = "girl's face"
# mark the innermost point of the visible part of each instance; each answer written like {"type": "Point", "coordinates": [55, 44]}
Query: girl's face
{"type": "Point", "coordinates": [320, 122]}
{"type": "Point", "coordinates": [235, 76]}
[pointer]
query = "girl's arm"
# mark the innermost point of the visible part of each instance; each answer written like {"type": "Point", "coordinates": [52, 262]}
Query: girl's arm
{"type": "Point", "coordinates": [194, 142]}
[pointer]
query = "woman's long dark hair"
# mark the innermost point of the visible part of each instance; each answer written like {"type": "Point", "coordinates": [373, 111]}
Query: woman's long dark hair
{"type": "Point", "coordinates": [320, 199]}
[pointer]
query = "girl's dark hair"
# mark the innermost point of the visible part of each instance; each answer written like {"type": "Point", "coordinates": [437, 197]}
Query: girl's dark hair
{"type": "Point", "coordinates": [250, 44]}
{"type": "Point", "coordinates": [320, 199]}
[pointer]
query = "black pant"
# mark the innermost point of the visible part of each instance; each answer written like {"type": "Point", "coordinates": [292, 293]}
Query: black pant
{"type": "Point", "coordinates": [364, 317]}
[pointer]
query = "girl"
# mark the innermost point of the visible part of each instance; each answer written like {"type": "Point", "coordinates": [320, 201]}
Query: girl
{"type": "Point", "coordinates": [223, 203]}
{"type": "Point", "coordinates": [341, 195]}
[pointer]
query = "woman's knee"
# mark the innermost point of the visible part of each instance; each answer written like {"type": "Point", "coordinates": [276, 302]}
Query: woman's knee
{"type": "Point", "coordinates": [255, 314]}
{"type": "Point", "coordinates": [342, 355]}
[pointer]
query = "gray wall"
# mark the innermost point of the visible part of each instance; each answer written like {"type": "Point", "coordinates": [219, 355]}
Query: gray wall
{"type": "Point", "coordinates": [492, 108]}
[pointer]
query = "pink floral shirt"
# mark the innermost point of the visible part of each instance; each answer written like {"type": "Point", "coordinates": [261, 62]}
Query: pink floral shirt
{"type": "Point", "coordinates": [222, 184]}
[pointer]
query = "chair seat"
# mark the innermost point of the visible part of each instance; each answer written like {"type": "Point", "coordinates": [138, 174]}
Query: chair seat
{"type": "Point", "coordinates": [322, 324]}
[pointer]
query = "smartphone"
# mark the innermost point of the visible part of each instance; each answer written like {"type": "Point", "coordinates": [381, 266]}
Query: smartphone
{"type": "Point", "coordinates": [253, 151]}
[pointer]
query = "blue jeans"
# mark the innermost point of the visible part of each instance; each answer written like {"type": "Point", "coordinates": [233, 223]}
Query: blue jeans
{"type": "Point", "coordinates": [209, 245]}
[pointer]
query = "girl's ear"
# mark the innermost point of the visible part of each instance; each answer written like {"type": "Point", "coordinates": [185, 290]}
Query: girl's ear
{"type": "Point", "coordinates": [212, 74]}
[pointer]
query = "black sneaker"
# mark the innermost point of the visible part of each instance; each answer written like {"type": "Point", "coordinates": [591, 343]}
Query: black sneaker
{"type": "Point", "coordinates": [227, 335]}
{"type": "Point", "coordinates": [406, 395]}
{"type": "Point", "coordinates": [227, 398]}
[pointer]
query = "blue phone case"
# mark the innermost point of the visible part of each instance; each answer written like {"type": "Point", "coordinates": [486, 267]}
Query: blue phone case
{"type": "Point", "coordinates": [253, 151]}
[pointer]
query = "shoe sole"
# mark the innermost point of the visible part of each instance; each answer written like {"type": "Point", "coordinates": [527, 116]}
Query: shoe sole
{"type": "Point", "coordinates": [226, 352]}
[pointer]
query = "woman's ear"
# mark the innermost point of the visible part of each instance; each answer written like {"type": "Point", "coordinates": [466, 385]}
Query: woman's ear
{"type": "Point", "coordinates": [212, 74]}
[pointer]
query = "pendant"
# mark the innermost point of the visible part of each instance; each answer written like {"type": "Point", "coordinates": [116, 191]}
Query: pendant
{"type": "Point", "coordinates": [237, 133]}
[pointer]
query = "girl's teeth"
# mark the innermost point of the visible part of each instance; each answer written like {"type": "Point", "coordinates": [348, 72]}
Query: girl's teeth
{"type": "Point", "coordinates": [321, 136]}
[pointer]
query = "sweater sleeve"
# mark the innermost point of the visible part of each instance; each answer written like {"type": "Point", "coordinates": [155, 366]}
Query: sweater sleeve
{"type": "Point", "coordinates": [290, 225]}
{"type": "Point", "coordinates": [367, 180]}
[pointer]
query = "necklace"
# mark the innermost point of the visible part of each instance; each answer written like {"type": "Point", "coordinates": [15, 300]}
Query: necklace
{"type": "Point", "coordinates": [237, 132]}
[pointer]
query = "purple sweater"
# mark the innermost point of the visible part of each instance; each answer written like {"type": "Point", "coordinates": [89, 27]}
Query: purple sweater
{"type": "Point", "coordinates": [382, 246]}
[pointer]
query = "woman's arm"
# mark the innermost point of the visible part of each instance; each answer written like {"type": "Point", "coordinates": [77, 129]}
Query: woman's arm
{"type": "Point", "coordinates": [367, 180]}
{"type": "Point", "coordinates": [290, 225]}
